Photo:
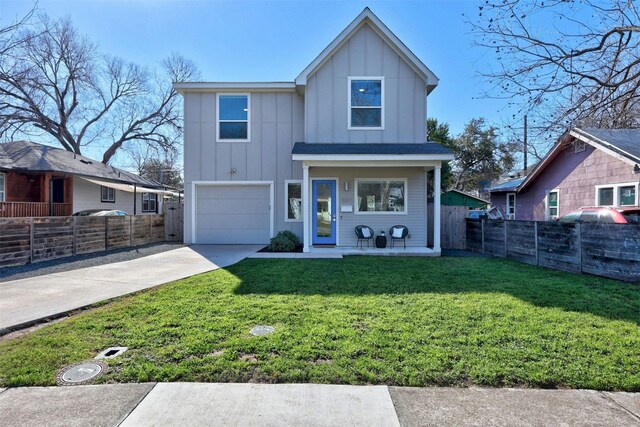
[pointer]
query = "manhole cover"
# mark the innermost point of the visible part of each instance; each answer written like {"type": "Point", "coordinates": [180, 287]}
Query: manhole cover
{"type": "Point", "coordinates": [261, 330]}
{"type": "Point", "coordinates": [81, 373]}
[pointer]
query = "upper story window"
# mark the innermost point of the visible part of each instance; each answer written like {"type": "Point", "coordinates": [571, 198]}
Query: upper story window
{"type": "Point", "coordinates": [233, 122]}
{"type": "Point", "coordinates": [2, 187]}
{"type": "Point", "coordinates": [366, 103]}
{"type": "Point", "coordinates": [107, 194]}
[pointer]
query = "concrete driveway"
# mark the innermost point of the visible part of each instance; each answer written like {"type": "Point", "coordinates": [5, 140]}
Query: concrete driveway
{"type": "Point", "coordinates": [26, 301]}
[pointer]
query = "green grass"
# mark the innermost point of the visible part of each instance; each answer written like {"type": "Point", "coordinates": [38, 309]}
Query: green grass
{"type": "Point", "coordinates": [361, 320]}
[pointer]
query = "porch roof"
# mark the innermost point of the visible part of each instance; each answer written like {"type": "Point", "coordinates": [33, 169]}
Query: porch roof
{"type": "Point", "coordinates": [420, 151]}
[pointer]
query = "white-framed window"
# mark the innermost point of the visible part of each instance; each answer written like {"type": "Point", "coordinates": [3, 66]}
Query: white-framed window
{"type": "Point", "coordinates": [366, 103]}
{"type": "Point", "coordinates": [553, 204]}
{"type": "Point", "coordinates": [107, 194]}
{"type": "Point", "coordinates": [3, 187]}
{"type": "Point", "coordinates": [293, 201]}
{"type": "Point", "coordinates": [149, 202]}
{"type": "Point", "coordinates": [233, 121]}
{"type": "Point", "coordinates": [511, 205]}
{"type": "Point", "coordinates": [623, 194]}
{"type": "Point", "coordinates": [381, 195]}
{"type": "Point", "coordinates": [579, 146]}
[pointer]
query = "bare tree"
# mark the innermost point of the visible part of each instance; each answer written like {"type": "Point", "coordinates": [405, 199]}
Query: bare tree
{"type": "Point", "coordinates": [56, 83]}
{"type": "Point", "coordinates": [564, 62]}
{"type": "Point", "coordinates": [160, 165]}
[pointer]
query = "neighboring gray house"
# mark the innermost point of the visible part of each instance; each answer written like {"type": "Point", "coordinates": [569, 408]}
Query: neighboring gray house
{"type": "Point", "coordinates": [344, 144]}
{"type": "Point", "coordinates": [39, 180]}
{"type": "Point", "coordinates": [586, 167]}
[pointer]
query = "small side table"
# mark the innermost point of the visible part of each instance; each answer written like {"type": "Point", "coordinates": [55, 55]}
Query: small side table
{"type": "Point", "coordinates": [381, 242]}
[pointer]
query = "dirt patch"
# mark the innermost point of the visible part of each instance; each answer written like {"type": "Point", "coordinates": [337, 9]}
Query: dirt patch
{"type": "Point", "coordinates": [248, 357]}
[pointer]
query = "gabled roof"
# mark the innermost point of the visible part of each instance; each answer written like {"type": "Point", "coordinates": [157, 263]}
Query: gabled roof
{"type": "Point", "coordinates": [624, 144]}
{"type": "Point", "coordinates": [368, 17]}
{"type": "Point", "coordinates": [27, 156]}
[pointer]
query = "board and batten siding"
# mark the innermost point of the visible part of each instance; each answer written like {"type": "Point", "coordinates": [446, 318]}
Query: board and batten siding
{"type": "Point", "coordinates": [327, 94]}
{"type": "Point", "coordinates": [86, 195]}
{"type": "Point", "coordinates": [276, 124]}
{"type": "Point", "coordinates": [414, 219]}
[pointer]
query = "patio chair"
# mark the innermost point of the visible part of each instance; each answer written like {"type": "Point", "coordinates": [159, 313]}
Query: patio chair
{"type": "Point", "coordinates": [364, 232]}
{"type": "Point", "coordinates": [398, 232]}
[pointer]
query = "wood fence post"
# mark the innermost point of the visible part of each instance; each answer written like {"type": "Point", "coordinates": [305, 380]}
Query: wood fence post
{"type": "Point", "coordinates": [74, 241]}
{"type": "Point", "coordinates": [106, 233]}
{"type": "Point", "coordinates": [506, 251]}
{"type": "Point", "coordinates": [482, 233]}
{"type": "Point", "coordinates": [31, 233]}
{"type": "Point", "coordinates": [579, 245]}
{"type": "Point", "coordinates": [535, 238]}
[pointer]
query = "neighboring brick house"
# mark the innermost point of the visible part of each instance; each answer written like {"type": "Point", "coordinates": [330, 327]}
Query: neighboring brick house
{"type": "Point", "coordinates": [586, 167]}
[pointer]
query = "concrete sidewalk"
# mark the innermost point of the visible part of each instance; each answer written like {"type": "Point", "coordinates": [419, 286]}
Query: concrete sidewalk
{"type": "Point", "coordinates": [26, 301]}
{"type": "Point", "coordinates": [197, 404]}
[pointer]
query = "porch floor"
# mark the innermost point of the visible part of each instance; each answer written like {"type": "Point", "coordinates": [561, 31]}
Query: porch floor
{"type": "Point", "coordinates": [339, 252]}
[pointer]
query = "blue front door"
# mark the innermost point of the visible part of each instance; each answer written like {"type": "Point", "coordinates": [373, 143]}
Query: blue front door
{"type": "Point", "coordinates": [324, 212]}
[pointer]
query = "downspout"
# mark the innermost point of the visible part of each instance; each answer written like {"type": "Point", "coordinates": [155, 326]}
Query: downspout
{"type": "Point", "coordinates": [135, 198]}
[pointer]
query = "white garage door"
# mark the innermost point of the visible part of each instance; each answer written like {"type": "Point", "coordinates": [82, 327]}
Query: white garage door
{"type": "Point", "coordinates": [236, 214]}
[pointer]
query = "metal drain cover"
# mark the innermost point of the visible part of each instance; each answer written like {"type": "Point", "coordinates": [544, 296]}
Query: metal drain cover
{"type": "Point", "coordinates": [81, 373]}
{"type": "Point", "coordinates": [261, 330]}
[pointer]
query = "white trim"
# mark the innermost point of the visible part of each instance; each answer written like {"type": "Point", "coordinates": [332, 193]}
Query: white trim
{"type": "Point", "coordinates": [604, 146]}
{"type": "Point", "coordinates": [286, 200]}
{"type": "Point", "coordinates": [327, 178]}
{"type": "Point", "coordinates": [350, 107]}
{"type": "Point", "coordinates": [437, 209]}
{"type": "Point", "coordinates": [547, 214]}
{"type": "Point", "coordinates": [107, 199]}
{"type": "Point", "coordinates": [506, 210]}
{"type": "Point", "coordinates": [3, 189]}
{"type": "Point", "coordinates": [183, 87]}
{"type": "Point", "coordinates": [248, 95]}
{"type": "Point", "coordinates": [194, 197]}
{"type": "Point", "coordinates": [306, 209]}
{"type": "Point", "coordinates": [616, 193]}
{"type": "Point", "coordinates": [368, 17]}
{"type": "Point", "coordinates": [375, 159]}
{"type": "Point", "coordinates": [356, 210]}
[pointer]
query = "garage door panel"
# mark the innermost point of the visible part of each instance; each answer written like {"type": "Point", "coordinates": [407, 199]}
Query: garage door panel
{"type": "Point", "coordinates": [233, 214]}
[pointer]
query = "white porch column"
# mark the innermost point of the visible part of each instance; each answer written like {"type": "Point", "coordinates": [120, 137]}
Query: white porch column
{"type": "Point", "coordinates": [436, 209]}
{"type": "Point", "coordinates": [306, 208]}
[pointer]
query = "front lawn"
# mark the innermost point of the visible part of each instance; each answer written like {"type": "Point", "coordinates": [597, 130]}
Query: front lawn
{"type": "Point", "coordinates": [361, 320]}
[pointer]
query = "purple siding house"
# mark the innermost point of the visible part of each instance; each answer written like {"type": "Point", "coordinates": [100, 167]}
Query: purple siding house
{"type": "Point", "coordinates": [586, 167]}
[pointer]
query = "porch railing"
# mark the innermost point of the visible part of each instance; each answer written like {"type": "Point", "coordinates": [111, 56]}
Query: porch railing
{"type": "Point", "coordinates": [28, 209]}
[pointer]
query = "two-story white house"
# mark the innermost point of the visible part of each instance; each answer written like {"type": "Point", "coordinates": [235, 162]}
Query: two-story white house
{"type": "Point", "coordinates": [344, 144]}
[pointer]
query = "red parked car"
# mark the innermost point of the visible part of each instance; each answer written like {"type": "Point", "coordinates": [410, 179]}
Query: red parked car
{"type": "Point", "coordinates": [607, 215]}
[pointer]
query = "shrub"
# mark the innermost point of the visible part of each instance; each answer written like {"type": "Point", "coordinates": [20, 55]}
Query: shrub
{"type": "Point", "coordinates": [285, 241]}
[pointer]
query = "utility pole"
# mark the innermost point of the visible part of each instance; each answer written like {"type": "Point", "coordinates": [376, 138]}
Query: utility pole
{"type": "Point", "coordinates": [525, 144]}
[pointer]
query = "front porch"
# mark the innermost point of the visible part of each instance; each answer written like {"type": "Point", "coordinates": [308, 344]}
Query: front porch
{"type": "Point", "coordinates": [29, 194]}
{"type": "Point", "coordinates": [340, 252]}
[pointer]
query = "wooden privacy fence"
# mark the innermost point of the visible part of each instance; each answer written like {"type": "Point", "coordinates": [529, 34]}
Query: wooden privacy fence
{"type": "Point", "coordinates": [608, 250]}
{"type": "Point", "coordinates": [25, 240]}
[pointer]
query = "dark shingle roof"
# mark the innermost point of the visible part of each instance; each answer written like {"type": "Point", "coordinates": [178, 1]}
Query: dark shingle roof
{"type": "Point", "coordinates": [627, 140]}
{"type": "Point", "coordinates": [391, 149]}
{"type": "Point", "coordinates": [510, 185]}
{"type": "Point", "coordinates": [29, 156]}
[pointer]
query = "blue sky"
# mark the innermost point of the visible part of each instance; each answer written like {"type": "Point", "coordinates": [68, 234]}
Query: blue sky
{"type": "Point", "coordinates": [275, 40]}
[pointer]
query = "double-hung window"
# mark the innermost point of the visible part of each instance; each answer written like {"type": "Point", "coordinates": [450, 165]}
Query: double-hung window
{"type": "Point", "coordinates": [149, 202]}
{"type": "Point", "coordinates": [233, 121]}
{"type": "Point", "coordinates": [553, 200]}
{"type": "Point", "coordinates": [293, 201]}
{"type": "Point", "coordinates": [511, 205]}
{"type": "Point", "coordinates": [366, 103]}
{"type": "Point", "coordinates": [2, 187]}
{"type": "Point", "coordinates": [107, 194]}
{"type": "Point", "coordinates": [381, 196]}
